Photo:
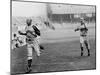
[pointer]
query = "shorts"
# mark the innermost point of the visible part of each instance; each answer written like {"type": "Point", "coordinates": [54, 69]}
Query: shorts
{"type": "Point", "coordinates": [83, 39]}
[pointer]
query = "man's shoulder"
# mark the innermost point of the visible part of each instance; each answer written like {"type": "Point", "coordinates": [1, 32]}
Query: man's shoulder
{"type": "Point", "coordinates": [34, 26]}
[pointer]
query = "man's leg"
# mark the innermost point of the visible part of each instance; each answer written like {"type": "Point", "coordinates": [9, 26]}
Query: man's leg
{"type": "Point", "coordinates": [41, 47]}
{"type": "Point", "coordinates": [38, 41]}
{"type": "Point", "coordinates": [29, 59]}
{"type": "Point", "coordinates": [36, 47]}
{"type": "Point", "coordinates": [87, 47]}
{"type": "Point", "coordinates": [29, 62]}
{"type": "Point", "coordinates": [81, 45]}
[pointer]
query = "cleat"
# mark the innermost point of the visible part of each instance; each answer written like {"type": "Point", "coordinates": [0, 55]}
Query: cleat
{"type": "Point", "coordinates": [88, 54]}
{"type": "Point", "coordinates": [81, 54]}
{"type": "Point", "coordinates": [41, 47]}
{"type": "Point", "coordinates": [29, 69]}
{"type": "Point", "coordinates": [29, 66]}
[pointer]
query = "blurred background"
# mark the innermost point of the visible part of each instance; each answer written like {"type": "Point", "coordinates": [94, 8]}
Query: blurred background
{"type": "Point", "coordinates": [64, 17]}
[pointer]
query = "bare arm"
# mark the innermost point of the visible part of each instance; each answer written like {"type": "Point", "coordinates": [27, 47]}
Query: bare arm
{"type": "Point", "coordinates": [21, 33]}
{"type": "Point", "coordinates": [76, 29]}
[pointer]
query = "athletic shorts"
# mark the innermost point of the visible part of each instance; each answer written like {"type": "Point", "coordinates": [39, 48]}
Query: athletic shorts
{"type": "Point", "coordinates": [83, 39]}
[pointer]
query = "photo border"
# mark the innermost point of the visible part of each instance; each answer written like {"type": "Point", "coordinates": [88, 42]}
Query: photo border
{"type": "Point", "coordinates": [54, 3]}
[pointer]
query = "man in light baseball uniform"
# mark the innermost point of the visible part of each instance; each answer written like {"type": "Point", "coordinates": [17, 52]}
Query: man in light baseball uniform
{"type": "Point", "coordinates": [83, 36]}
{"type": "Point", "coordinates": [31, 42]}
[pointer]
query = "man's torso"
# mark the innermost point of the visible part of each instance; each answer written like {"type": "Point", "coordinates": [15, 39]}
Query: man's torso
{"type": "Point", "coordinates": [30, 34]}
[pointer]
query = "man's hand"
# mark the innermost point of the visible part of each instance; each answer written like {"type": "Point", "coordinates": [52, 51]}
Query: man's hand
{"type": "Point", "coordinates": [76, 29]}
{"type": "Point", "coordinates": [19, 32]}
{"type": "Point", "coordinates": [86, 29]}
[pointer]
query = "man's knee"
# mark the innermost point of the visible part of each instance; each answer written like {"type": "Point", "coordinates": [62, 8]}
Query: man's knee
{"type": "Point", "coordinates": [82, 44]}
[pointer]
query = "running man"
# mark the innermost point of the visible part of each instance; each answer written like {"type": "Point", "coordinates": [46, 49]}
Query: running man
{"type": "Point", "coordinates": [83, 37]}
{"type": "Point", "coordinates": [31, 42]}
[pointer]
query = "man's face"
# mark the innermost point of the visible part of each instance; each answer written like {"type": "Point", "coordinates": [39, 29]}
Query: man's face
{"type": "Point", "coordinates": [81, 22]}
{"type": "Point", "coordinates": [29, 22]}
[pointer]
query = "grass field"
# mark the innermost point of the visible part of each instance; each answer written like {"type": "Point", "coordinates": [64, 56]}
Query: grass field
{"type": "Point", "coordinates": [55, 57]}
{"type": "Point", "coordinates": [62, 53]}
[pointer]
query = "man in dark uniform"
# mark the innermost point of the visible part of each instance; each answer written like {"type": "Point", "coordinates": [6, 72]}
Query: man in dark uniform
{"type": "Point", "coordinates": [83, 36]}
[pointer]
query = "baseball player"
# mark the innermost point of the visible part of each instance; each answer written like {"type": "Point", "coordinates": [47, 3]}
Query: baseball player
{"type": "Point", "coordinates": [83, 36]}
{"type": "Point", "coordinates": [47, 23]}
{"type": "Point", "coordinates": [31, 42]}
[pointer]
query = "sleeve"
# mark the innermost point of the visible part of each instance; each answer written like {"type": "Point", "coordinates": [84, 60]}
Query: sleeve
{"type": "Point", "coordinates": [37, 31]}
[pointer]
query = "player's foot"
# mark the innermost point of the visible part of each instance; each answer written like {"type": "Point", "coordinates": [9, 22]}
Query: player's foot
{"type": "Point", "coordinates": [29, 65]}
{"type": "Point", "coordinates": [88, 54]}
{"type": "Point", "coordinates": [29, 69]}
{"type": "Point", "coordinates": [81, 51]}
{"type": "Point", "coordinates": [41, 47]}
{"type": "Point", "coordinates": [82, 54]}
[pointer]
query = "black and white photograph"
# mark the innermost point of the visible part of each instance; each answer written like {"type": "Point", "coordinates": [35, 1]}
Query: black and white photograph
{"type": "Point", "coordinates": [52, 37]}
